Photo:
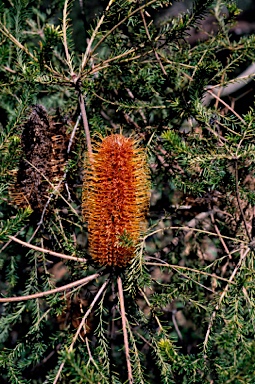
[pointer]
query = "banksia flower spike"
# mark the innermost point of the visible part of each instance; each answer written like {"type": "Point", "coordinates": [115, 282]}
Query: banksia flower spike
{"type": "Point", "coordinates": [115, 199]}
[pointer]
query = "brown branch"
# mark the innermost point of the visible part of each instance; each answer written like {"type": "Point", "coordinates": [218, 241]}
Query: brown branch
{"type": "Point", "coordinates": [225, 290]}
{"type": "Point", "coordinates": [124, 326]}
{"type": "Point", "coordinates": [64, 30]}
{"type": "Point", "coordinates": [140, 110]}
{"type": "Point", "coordinates": [216, 134]}
{"type": "Point", "coordinates": [219, 234]}
{"type": "Point", "coordinates": [34, 233]}
{"type": "Point", "coordinates": [83, 281]}
{"type": "Point", "coordinates": [175, 324]}
{"type": "Point", "coordinates": [109, 33]}
{"type": "Point", "coordinates": [149, 37]}
{"type": "Point", "coordinates": [239, 202]}
{"type": "Point", "coordinates": [10, 240]}
{"type": "Point", "coordinates": [106, 117]}
{"type": "Point", "coordinates": [80, 327]}
{"type": "Point", "coordinates": [233, 85]}
{"type": "Point", "coordinates": [88, 49]}
{"type": "Point", "coordinates": [85, 123]}
{"type": "Point", "coordinates": [87, 313]}
{"type": "Point", "coordinates": [176, 267]}
{"type": "Point", "coordinates": [53, 186]}
{"type": "Point", "coordinates": [47, 250]}
{"type": "Point", "coordinates": [130, 106]}
{"type": "Point", "coordinates": [185, 228]}
{"type": "Point", "coordinates": [102, 64]}
{"type": "Point", "coordinates": [149, 305]}
{"type": "Point", "coordinates": [105, 64]}
{"type": "Point", "coordinates": [228, 106]}
{"type": "Point", "coordinates": [8, 34]}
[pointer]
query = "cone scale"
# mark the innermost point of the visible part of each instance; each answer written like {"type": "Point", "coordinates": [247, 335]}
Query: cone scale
{"type": "Point", "coordinates": [115, 199]}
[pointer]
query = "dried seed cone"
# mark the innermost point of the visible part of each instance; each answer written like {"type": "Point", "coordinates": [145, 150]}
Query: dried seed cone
{"type": "Point", "coordinates": [44, 144]}
{"type": "Point", "coordinates": [115, 199]}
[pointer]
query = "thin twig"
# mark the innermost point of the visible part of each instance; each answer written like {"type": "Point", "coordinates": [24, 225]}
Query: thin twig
{"type": "Point", "coordinates": [119, 23]}
{"type": "Point", "coordinates": [228, 106]}
{"type": "Point", "coordinates": [140, 110]}
{"type": "Point", "coordinates": [80, 327]}
{"type": "Point", "coordinates": [73, 134]}
{"type": "Point", "coordinates": [53, 186]}
{"type": "Point", "coordinates": [88, 312]}
{"type": "Point", "coordinates": [57, 254]}
{"type": "Point", "coordinates": [88, 50]}
{"type": "Point", "coordinates": [149, 106]}
{"type": "Point", "coordinates": [69, 150]}
{"type": "Point", "coordinates": [91, 357]}
{"type": "Point", "coordinates": [143, 338]}
{"type": "Point", "coordinates": [185, 228]}
{"type": "Point", "coordinates": [9, 241]}
{"type": "Point", "coordinates": [105, 64]}
{"type": "Point", "coordinates": [127, 117]}
{"type": "Point", "coordinates": [176, 267]}
{"type": "Point", "coordinates": [150, 306]}
{"type": "Point", "coordinates": [216, 134]}
{"type": "Point", "coordinates": [219, 234]}
{"type": "Point", "coordinates": [198, 218]}
{"type": "Point", "coordinates": [239, 202]}
{"type": "Point", "coordinates": [231, 87]}
{"type": "Point", "coordinates": [149, 37]}
{"type": "Point", "coordinates": [85, 123]}
{"type": "Point", "coordinates": [6, 33]}
{"type": "Point", "coordinates": [175, 324]}
{"type": "Point", "coordinates": [190, 279]}
{"type": "Point", "coordinates": [124, 326]}
{"type": "Point", "coordinates": [34, 233]}
{"type": "Point", "coordinates": [64, 29]}
{"type": "Point", "coordinates": [83, 281]}
{"type": "Point", "coordinates": [106, 117]}
{"type": "Point", "coordinates": [225, 290]}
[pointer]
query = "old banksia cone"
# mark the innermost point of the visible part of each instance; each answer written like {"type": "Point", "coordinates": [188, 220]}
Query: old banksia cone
{"type": "Point", "coordinates": [115, 199]}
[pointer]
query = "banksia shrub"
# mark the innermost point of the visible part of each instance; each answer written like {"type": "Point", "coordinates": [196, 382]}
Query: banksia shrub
{"type": "Point", "coordinates": [115, 199]}
{"type": "Point", "coordinates": [184, 311]}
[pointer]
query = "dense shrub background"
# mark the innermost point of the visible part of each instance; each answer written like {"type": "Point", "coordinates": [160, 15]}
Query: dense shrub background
{"type": "Point", "coordinates": [141, 68]}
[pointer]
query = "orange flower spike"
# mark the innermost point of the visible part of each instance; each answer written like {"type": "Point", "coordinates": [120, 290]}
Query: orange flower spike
{"type": "Point", "coordinates": [115, 199]}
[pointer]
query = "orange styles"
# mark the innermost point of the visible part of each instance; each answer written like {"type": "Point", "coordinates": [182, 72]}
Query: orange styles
{"type": "Point", "coordinates": [115, 199]}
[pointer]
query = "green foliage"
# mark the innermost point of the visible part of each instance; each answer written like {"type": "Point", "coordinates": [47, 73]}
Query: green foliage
{"type": "Point", "coordinates": [189, 291]}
